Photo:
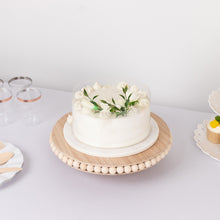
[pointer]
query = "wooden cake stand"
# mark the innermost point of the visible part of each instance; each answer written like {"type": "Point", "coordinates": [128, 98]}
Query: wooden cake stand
{"type": "Point", "coordinates": [110, 166]}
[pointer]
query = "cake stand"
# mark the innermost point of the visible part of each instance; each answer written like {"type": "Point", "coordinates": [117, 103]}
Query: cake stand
{"type": "Point", "coordinates": [115, 165]}
{"type": "Point", "coordinates": [207, 147]}
{"type": "Point", "coordinates": [200, 133]}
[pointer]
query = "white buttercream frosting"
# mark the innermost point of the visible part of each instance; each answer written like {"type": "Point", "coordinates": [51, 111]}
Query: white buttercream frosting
{"type": "Point", "coordinates": [107, 92]}
{"type": "Point", "coordinates": [102, 128]}
{"type": "Point", "coordinates": [215, 130]}
{"type": "Point", "coordinates": [97, 86]}
{"type": "Point", "coordinates": [69, 119]}
{"type": "Point", "coordinates": [78, 95]}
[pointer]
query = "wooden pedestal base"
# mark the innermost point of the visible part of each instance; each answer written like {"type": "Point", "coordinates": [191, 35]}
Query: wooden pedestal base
{"type": "Point", "coordinates": [110, 166]}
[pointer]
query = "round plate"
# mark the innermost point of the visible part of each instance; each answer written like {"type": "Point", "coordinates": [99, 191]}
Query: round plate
{"type": "Point", "coordinates": [115, 165]}
{"type": "Point", "coordinates": [200, 136]}
{"type": "Point", "coordinates": [16, 161]}
{"type": "Point", "coordinates": [111, 152]}
{"type": "Point", "coordinates": [214, 101]}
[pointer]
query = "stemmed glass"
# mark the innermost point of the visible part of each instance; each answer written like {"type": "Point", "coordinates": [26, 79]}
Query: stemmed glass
{"type": "Point", "coordinates": [20, 82]}
{"type": "Point", "coordinates": [16, 84]}
{"type": "Point", "coordinates": [29, 102]}
{"type": "Point", "coordinates": [5, 106]}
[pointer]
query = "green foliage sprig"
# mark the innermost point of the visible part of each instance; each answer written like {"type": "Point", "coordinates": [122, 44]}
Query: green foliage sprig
{"type": "Point", "coordinates": [118, 111]}
{"type": "Point", "coordinates": [123, 110]}
{"type": "Point", "coordinates": [97, 107]}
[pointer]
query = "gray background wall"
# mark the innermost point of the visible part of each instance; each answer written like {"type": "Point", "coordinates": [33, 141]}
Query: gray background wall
{"type": "Point", "coordinates": [172, 46]}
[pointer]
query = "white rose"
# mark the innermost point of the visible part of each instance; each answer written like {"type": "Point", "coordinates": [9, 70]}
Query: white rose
{"type": "Point", "coordinates": [86, 104]}
{"type": "Point", "coordinates": [78, 95]}
{"type": "Point", "coordinates": [97, 86]}
{"type": "Point", "coordinates": [142, 94]}
{"type": "Point", "coordinates": [88, 89]}
{"type": "Point", "coordinates": [133, 89]}
{"type": "Point", "coordinates": [120, 101]}
{"type": "Point", "coordinates": [121, 85]}
{"type": "Point", "coordinates": [134, 97]}
{"type": "Point", "coordinates": [143, 102]}
{"type": "Point", "coordinates": [105, 86]}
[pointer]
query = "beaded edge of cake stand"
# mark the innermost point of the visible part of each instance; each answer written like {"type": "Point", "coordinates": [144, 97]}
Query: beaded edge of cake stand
{"type": "Point", "coordinates": [105, 170]}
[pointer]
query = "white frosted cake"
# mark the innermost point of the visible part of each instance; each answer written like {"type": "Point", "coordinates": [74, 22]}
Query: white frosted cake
{"type": "Point", "coordinates": [111, 116]}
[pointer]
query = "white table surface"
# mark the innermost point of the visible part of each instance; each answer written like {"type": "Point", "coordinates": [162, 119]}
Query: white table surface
{"type": "Point", "coordinates": [184, 185]}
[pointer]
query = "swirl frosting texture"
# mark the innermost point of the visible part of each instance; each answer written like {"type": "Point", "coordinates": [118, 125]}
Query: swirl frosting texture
{"type": "Point", "coordinates": [103, 128]}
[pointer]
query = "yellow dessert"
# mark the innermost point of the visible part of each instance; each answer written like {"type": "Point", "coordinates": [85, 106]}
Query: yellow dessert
{"type": "Point", "coordinates": [214, 124]}
{"type": "Point", "coordinates": [213, 130]}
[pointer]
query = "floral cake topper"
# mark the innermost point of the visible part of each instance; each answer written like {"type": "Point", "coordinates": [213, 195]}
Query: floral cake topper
{"type": "Point", "coordinates": [113, 108]}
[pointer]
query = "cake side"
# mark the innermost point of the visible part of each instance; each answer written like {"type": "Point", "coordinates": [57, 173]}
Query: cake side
{"type": "Point", "coordinates": [213, 130]}
{"type": "Point", "coordinates": [111, 116]}
{"type": "Point", "coordinates": [111, 133]}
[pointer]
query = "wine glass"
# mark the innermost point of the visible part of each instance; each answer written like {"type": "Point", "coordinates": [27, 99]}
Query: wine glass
{"type": "Point", "coordinates": [16, 84]}
{"type": "Point", "coordinates": [5, 106]}
{"type": "Point", "coordinates": [29, 100]}
{"type": "Point", "coordinates": [19, 82]}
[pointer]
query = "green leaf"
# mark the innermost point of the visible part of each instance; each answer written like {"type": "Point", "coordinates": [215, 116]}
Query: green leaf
{"type": "Point", "coordinates": [217, 118]}
{"type": "Point", "coordinates": [126, 103]}
{"type": "Point", "coordinates": [122, 97]}
{"type": "Point", "coordinates": [129, 96]}
{"type": "Point", "coordinates": [85, 93]}
{"type": "Point", "coordinates": [109, 104]}
{"type": "Point", "coordinates": [94, 103]}
{"type": "Point", "coordinates": [118, 114]}
{"type": "Point", "coordinates": [118, 111]}
{"type": "Point", "coordinates": [133, 103]}
{"type": "Point", "coordinates": [125, 89]}
{"type": "Point", "coordinates": [117, 108]}
{"type": "Point", "coordinates": [122, 109]}
{"type": "Point", "coordinates": [95, 97]}
{"type": "Point", "coordinates": [103, 101]}
{"type": "Point", "coordinates": [121, 114]}
{"type": "Point", "coordinates": [112, 110]}
{"type": "Point", "coordinates": [97, 108]}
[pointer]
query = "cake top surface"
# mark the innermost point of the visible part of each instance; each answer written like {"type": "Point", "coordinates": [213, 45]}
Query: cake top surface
{"type": "Point", "coordinates": [111, 101]}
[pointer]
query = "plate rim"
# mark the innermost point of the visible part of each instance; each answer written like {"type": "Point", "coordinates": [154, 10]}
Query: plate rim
{"type": "Point", "coordinates": [19, 165]}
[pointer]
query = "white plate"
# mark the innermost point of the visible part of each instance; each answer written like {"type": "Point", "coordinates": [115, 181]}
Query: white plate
{"type": "Point", "coordinates": [16, 161]}
{"type": "Point", "coordinates": [200, 136]}
{"type": "Point", "coordinates": [109, 152]}
{"type": "Point", "coordinates": [214, 101]}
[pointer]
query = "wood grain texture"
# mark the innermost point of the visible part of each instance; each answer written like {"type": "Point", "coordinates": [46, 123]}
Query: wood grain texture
{"type": "Point", "coordinates": [1, 145]}
{"type": "Point", "coordinates": [10, 169]}
{"type": "Point", "coordinates": [5, 157]}
{"type": "Point", "coordinates": [111, 166]}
